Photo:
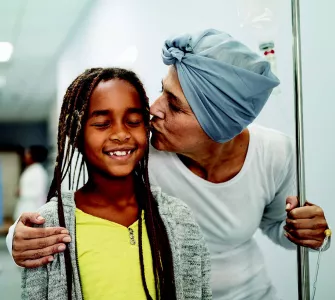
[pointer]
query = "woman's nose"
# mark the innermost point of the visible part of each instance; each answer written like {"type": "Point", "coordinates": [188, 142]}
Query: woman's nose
{"type": "Point", "coordinates": [156, 109]}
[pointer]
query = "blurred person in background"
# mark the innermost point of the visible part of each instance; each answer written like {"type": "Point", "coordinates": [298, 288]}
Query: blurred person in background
{"type": "Point", "coordinates": [33, 181]}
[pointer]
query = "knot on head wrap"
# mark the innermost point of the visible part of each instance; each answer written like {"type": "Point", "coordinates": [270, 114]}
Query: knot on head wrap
{"type": "Point", "coordinates": [175, 50]}
{"type": "Point", "coordinates": [225, 83]}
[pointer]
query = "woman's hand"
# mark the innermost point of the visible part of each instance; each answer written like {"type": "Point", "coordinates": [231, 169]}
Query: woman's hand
{"type": "Point", "coordinates": [34, 247]}
{"type": "Point", "coordinates": [305, 226]}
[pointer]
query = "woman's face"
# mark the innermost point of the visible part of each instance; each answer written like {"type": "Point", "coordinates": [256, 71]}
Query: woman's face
{"type": "Point", "coordinates": [174, 125]}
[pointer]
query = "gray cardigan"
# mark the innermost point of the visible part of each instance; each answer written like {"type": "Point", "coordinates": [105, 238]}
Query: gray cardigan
{"type": "Point", "coordinates": [191, 260]}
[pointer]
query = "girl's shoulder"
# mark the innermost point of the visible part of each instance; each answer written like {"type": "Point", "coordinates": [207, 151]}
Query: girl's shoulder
{"type": "Point", "coordinates": [49, 211]}
{"type": "Point", "coordinates": [173, 207]}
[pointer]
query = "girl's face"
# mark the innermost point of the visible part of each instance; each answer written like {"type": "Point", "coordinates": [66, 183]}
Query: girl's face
{"type": "Point", "coordinates": [115, 137]}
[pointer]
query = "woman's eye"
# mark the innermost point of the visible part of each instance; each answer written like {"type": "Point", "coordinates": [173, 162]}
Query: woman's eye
{"type": "Point", "coordinates": [174, 108]}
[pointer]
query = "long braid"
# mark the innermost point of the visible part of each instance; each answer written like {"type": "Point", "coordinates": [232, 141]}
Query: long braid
{"type": "Point", "coordinates": [164, 262]}
{"type": "Point", "coordinates": [81, 169]}
{"type": "Point", "coordinates": [74, 120]}
{"type": "Point", "coordinates": [63, 133]}
{"type": "Point", "coordinates": [59, 169]}
{"type": "Point", "coordinates": [159, 242]}
{"type": "Point", "coordinates": [71, 121]}
{"type": "Point", "coordinates": [74, 175]}
{"type": "Point", "coordinates": [140, 235]}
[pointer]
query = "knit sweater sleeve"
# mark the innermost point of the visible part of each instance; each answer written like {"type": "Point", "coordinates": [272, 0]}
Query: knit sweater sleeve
{"type": "Point", "coordinates": [34, 281]}
{"type": "Point", "coordinates": [191, 256]}
{"type": "Point", "coordinates": [206, 270]}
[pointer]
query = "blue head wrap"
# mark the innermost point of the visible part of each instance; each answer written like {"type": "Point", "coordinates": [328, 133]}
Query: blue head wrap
{"type": "Point", "coordinates": [224, 82]}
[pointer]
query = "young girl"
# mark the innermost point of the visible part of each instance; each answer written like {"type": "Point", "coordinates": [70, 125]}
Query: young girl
{"type": "Point", "coordinates": [128, 241]}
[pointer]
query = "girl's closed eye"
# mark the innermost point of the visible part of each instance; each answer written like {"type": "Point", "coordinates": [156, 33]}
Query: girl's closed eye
{"type": "Point", "coordinates": [135, 120]}
{"type": "Point", "coordinates": [101, 124]}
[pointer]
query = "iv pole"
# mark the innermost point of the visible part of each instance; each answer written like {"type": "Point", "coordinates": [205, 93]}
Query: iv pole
{"type": "Point", "coordinates": [303, 261]}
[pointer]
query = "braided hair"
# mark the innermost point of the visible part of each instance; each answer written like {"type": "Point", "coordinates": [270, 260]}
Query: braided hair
{"type": "Point", "coordinates": [70, 134]}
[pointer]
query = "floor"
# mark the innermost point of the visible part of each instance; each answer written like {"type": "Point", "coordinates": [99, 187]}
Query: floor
{"type": "Point", "coordinates": [10, 277]}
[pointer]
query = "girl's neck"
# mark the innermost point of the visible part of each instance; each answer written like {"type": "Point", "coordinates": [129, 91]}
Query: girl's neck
{"type": "Point", "coordinates": [109, 198]}
{"type": "Point", "coordinates": [110, 190]}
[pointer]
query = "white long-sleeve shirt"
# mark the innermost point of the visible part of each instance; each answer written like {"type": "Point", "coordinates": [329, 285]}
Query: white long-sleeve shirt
{"type": "Point", "coordinates": [229, 213]}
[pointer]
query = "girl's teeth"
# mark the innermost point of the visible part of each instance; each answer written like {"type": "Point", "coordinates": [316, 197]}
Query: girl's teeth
{"type": "Point", "coordinates": [120, 153]}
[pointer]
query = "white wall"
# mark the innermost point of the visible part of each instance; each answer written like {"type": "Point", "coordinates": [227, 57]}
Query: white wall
{"type": "Point", "coordinates": [113, 26]}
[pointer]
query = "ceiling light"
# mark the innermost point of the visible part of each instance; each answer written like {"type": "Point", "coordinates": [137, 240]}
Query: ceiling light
{"type": "Point", "coordinates": [6, 50]}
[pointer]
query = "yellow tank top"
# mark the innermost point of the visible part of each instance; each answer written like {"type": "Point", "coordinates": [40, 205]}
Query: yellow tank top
{"type": "Point", "coordinates": [108, 259]}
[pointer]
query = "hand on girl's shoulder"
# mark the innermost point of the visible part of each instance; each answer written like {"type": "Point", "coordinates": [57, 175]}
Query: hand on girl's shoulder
{"type": "Point", "coordinates": [35, 241]}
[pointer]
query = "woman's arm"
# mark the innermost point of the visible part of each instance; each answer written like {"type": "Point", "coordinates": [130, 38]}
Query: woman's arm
{"type": "Point", "coordinates": [32, 247]}
{"type": "Point", "coordinates": [274, 216]}
{"type": "Point", "coordinates": [304, 226]}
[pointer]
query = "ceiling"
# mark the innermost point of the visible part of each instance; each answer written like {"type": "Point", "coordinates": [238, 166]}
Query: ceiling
{"type": "Point", "coordinates": [39, 31]}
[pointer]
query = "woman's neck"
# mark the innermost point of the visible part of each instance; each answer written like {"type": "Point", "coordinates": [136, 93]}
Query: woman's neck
{"type": "Point", "coordinates": [217, 162]}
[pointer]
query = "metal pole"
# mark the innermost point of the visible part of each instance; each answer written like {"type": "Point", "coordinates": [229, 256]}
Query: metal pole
{"type": "Point", "coordinates": [303, 262]}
